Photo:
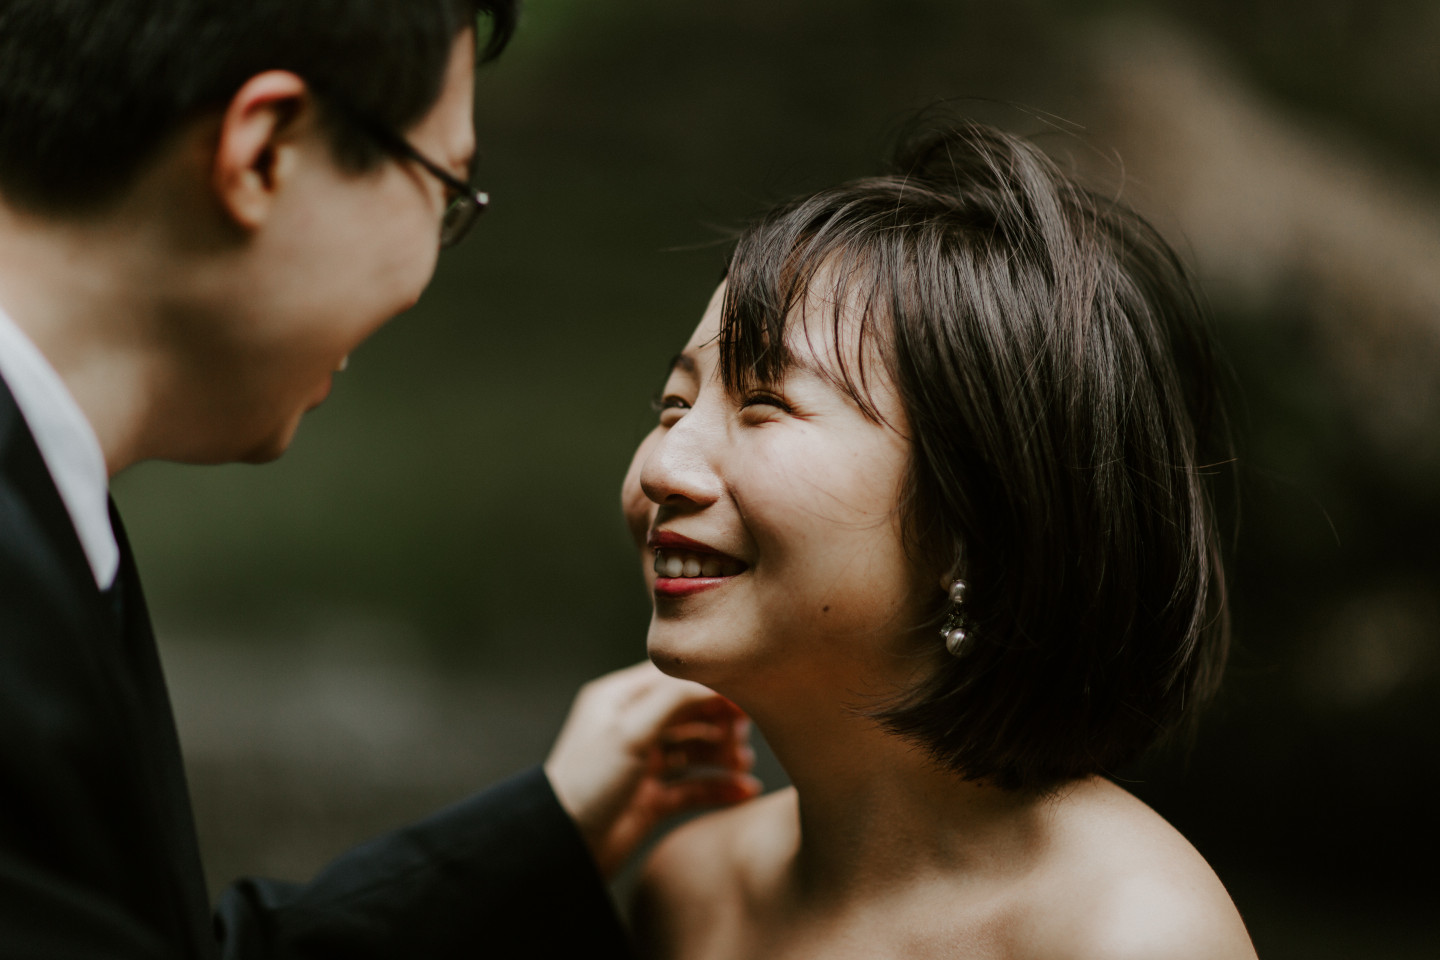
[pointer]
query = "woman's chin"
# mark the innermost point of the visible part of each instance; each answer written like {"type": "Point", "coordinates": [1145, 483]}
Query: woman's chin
{"type": "Point", "coordinates": [674, 662]}
{"type": "Point", "coordinates": [686, 661]}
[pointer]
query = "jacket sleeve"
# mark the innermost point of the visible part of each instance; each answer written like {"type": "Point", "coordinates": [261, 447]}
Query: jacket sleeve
{"type": "Point", "coordinates": [502, 874]}
{"type": "Point", "coordinates": [43, 914]}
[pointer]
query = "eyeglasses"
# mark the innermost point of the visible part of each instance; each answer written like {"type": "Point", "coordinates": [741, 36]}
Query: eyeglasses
{"type": "Point", "coordinates": [465, 203]}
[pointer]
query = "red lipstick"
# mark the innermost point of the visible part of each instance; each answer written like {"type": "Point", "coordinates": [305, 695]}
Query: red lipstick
{"type": "Point", "coordinates": [704, 567]}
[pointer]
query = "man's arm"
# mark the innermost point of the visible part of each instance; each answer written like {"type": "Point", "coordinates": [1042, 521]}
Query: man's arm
{"type": "Point", "coordinates": [503, 873]}
{"type": "Point", "coordinates": [519, 869]}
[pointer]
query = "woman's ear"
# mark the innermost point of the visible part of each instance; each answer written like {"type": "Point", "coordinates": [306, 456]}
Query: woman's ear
{"type": "Point", "coordinates": [254, 153]}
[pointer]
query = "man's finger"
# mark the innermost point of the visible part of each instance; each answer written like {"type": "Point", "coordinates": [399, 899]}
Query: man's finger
{"type": "Point", "coordinates": [701, 792]}
{"type": "Point", "coordinates": [659, 704]}
{"type": "Point", "coordinates": [678, 760]}
{"type": "Point", "coordinates": [707, 731]}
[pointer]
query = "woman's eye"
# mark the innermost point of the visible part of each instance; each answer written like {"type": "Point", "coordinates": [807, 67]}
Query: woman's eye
{"type": "Point", "coordinates": [670, 407]}
{"type": "Point", "coordinates": [763, 400]}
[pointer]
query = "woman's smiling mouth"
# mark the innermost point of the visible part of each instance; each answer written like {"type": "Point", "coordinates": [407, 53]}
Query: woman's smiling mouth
{"type": "Point", "coordinates": [689, 564]}
{"type": "Point", "coordinates": [684, 566]}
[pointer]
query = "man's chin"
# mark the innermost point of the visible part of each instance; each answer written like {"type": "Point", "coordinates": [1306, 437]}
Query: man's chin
{"type": "Point", "coordinates": [262, 455]}
{"type": "Point", "coordinates": [272, 446]}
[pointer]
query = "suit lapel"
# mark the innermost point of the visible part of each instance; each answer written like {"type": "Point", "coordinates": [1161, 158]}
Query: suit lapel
{"type": "Point", "coordinates": [175, 819]}
{"type": "Point", "coordinates": [128, 700]}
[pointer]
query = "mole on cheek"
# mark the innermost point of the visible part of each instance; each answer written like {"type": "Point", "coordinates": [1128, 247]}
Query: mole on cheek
{"type": "Point", "coordinates": [825, 609]}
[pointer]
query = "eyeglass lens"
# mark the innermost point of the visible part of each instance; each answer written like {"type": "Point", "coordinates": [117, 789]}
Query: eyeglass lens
{"type": "Point", "coordinates": [460, 216]}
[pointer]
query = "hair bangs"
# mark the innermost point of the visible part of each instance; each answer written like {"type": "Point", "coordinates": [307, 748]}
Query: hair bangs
{"type": "Point", "coordinates": [820, 272]}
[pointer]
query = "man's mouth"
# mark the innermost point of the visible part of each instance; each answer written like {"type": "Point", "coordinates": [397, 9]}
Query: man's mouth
{"type": "Point", "coordinates": [673, 562]}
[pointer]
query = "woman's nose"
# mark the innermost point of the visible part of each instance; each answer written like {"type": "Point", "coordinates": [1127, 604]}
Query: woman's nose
{"type": "Point", "coordinates": [680, 469]}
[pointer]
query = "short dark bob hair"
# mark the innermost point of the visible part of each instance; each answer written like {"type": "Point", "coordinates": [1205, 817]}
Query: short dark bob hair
{"type": "Point", "coordinates": [90, 89]}
{"type": "Point", "coordinates": [1056, 376]}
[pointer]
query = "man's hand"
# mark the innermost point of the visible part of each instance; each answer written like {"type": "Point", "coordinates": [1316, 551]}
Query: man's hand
{"type": "Point", "coordinates": [638, 747]}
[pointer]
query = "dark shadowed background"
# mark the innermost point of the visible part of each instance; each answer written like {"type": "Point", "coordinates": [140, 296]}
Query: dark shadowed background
{"type": "Point", "coordinates": [399, 610]}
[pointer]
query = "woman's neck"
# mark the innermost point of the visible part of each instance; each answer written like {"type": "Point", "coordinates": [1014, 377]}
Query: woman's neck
{"type": "Point", "coordinates": [875, 809]}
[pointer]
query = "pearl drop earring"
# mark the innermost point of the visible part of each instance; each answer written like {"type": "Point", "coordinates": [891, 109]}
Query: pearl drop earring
{"type": "Point", "coordinates": [954, 630]}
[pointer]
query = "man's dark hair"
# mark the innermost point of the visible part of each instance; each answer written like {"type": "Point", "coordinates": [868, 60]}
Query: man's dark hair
{"type": "Point", "coordinates": [90, 89]}
{"type": "Point", "coordinates": [1056, 378]}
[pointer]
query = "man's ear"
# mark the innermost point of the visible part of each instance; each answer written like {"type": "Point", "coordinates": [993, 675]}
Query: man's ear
{"type": "Point", "coordinates": [253, 155]}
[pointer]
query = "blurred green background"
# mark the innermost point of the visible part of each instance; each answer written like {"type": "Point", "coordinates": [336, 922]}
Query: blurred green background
{"type": "Point", "coordinates": [399, 610]}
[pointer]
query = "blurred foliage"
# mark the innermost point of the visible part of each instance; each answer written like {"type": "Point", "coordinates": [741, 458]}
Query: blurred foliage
{"type": "Point", "coordinates": [463, 479]}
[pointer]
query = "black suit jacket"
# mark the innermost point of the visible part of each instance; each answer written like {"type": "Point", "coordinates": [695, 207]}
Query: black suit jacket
{"type": "Point", "coordinates": [98, 854]}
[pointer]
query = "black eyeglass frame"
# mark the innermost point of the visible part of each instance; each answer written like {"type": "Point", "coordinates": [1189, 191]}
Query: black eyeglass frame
{"type": "Point", "coordinates": [466, 203]}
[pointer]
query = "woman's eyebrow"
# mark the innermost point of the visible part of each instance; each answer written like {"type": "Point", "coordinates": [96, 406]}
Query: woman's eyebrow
{"type": "Point", "coordinates": [682, 362]}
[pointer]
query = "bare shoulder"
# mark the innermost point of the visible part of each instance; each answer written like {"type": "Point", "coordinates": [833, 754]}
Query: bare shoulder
{"type": "Point", "coordinates": [700, 876]}
{"type": "Point", "coordinates": [1125, 884]}
{"type": "Point", "coordinates": [727, 845]}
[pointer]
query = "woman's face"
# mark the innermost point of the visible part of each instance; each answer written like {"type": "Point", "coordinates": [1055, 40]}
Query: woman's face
{"type": "Point", "coordinates": [772, 519]}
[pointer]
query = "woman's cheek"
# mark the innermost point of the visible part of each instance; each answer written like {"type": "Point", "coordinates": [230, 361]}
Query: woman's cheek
{"type": "Point", "coordinates": [633, 502]}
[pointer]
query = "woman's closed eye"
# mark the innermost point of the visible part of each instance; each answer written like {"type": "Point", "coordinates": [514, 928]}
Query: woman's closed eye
{"type": "Point", "coordinates": [763, 404]}
{"type": "Point", "coordinates": [670, 406]}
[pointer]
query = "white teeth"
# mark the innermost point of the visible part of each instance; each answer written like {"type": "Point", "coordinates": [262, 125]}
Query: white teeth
{"type": "Point", "coordinates": [683, 563]}
{"type": "Point", "coordinates": [344, 362]}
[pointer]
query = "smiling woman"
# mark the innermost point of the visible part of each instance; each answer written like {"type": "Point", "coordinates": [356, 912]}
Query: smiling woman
{"type": "Point", "coordinates": [792, 488]}
{"type": "Point", "coordinates": [926, 500]}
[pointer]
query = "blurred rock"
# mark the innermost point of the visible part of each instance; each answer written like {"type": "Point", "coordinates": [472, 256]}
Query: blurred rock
{"type": "Point", "coordinates": [1286, 216]}
{"type": "Point", "coordinates": [297, 751]}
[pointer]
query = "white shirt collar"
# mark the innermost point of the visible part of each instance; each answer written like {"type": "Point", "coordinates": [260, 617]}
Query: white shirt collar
{"type": "Point", "coordinates": [68, 445]}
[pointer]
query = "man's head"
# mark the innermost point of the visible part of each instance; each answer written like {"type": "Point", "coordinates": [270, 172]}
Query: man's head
{"type": "Point", "coordinates": [244, 183]}
{"type": "Point", "coordinates": [91, 89]}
